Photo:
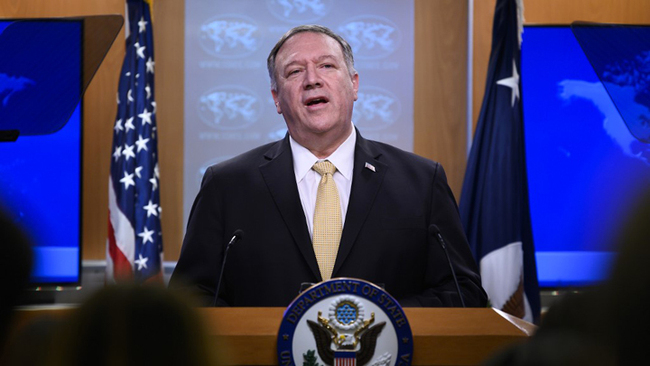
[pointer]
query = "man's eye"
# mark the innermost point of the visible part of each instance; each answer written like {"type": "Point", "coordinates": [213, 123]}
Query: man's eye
{"type": "Point", "coordinates": [293, 72]}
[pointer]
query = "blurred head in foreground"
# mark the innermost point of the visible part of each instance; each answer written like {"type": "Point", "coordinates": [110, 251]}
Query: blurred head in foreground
{"type": "Point", "coordinates": [133, 325]}
{"type": "Point", "coordinates": [15, 267]}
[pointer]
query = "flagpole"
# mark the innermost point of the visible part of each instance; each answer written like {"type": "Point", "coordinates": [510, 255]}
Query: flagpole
{"type": "Point", "coordinates": [470, 75]}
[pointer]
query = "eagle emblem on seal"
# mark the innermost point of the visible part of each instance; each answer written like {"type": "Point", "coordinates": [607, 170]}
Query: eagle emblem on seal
{"type": "Point", "coordinates": [345, 334]}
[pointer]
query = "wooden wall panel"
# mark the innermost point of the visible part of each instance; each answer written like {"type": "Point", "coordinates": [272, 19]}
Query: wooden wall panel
{"type": "Point", "coordinates": [169, 29]}
{"type": "Point", "coordinates": [440, 85]}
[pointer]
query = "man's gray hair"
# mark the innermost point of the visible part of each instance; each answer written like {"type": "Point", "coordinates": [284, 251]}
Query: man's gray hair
{"type": "Point", "coordinates": [345, 47]}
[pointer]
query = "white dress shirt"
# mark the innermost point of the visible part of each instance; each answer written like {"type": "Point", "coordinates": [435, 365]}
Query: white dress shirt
{"type": "Point", "coordinates": [308, 179]}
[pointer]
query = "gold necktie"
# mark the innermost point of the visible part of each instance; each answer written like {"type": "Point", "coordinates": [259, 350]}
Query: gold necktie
{"type": "Point", "coordinates": [327, 219]}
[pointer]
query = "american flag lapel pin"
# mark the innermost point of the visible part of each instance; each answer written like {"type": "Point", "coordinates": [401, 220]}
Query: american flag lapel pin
{"type": "Point", "coordinates": [370, 166]}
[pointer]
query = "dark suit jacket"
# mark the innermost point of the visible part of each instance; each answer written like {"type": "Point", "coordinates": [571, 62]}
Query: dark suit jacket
{"type": "Point", "coordinates": [385, 237]}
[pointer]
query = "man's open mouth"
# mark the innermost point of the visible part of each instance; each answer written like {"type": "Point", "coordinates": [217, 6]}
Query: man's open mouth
{"type": "Point", "coordinates": [317, 100]}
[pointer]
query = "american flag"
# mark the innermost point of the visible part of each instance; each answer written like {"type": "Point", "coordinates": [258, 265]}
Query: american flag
{"type": "Point", "coordinates": [134, 244]}
{"type": "Point", "coordinates": [494, 205]}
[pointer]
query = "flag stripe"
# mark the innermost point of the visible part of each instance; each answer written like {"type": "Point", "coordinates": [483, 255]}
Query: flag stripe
{"type": "Point", "coordinates": [119, 264]}
{"type": "Point", "coordinates": [120, 227]}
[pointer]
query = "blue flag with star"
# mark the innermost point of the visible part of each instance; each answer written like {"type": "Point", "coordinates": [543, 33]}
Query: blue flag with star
{"type": "Point", "coordinates": [494, 204]}
{"type": "Point", "coordinates": [134, 244]}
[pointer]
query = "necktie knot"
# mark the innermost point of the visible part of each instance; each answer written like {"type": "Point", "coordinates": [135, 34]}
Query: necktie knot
{"type": "Point", "coordinates": [324, 167]}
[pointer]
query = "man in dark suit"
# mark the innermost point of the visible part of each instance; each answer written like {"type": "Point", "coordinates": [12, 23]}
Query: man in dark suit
{"type": "Point", "coordinates": [386, 200]}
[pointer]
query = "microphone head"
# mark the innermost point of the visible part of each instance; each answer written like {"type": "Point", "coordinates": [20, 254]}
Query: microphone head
{"type": "Point", "coordinates": [239, 233]}
{"type": "Point", "coordinates": [433, 229]}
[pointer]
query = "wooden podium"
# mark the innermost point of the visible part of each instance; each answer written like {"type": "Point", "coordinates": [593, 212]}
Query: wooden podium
{"type": "Point", "coordinates": [442, 336]}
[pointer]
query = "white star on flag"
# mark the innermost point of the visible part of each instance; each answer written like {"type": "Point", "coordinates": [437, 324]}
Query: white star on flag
{"type": "Point", "coordinates": [146, 235]}
{"type": "Point", "coordinates": [142, 143]}
{"type": "Point", "coordinates": [142, 25]}
{"type": "Point", "coordinates": [129, 124]}
{"type": "Point", "coordinates": [129, 97]}
{"type": "Point", "coordinates": [128, 152]}
{"type": "Point", "coordinates": [513, 83]}
{"type": "Point", "coordinates": [141, 262]}
{"type": "Point", "coordinates": [146, 116]}
{"type": "Point", "coordinates": [150, 64]}
{"type": "Point", "coordinates": [137, 171]}
{"type": "Point", "coordinates": [117, 153]}
{"type": "Point", "coordinates": [151, 209]}
{"type": "Point", "coordinates": [118, 125]}
{"type": "Point", "coordinates": [147, 89]}
{"type": "Point", "coordinates": [154, 183]}
{"type": "Point", "coordinates": [127, 180]}
{"type": "Point", "coordinates": [139, 49]}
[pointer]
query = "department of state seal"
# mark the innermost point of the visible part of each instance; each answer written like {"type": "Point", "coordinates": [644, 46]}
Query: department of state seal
{"type": "Point", "coordinates": [344, 322]}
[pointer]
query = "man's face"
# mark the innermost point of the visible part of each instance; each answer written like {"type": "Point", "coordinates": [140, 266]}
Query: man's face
{"type": "Point", "coordinates": [315, 92]}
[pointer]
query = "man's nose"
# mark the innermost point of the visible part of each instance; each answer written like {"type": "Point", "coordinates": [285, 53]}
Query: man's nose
{"type": "Point", "coordinates": [312, 78]}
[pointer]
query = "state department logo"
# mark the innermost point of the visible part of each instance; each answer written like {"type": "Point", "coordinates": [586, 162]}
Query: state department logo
{"type": "Point", "coordinates": [345, 322]}
{"type": "Point", "coordinates": [375, 109]}
{"type": "Point", "coordinates": [371, 37]}
{"type": "Point", "coordinates": [299, 11]}
{"type": "Point", "coordinates": [229, 107]}
{"type": "Point", "coordinates": [230, 36]}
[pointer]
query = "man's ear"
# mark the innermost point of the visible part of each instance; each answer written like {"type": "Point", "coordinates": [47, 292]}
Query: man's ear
{"type": "Point", "coordinates": [276, 101]}
{"type": "Point", "coordinates": [355, 85]}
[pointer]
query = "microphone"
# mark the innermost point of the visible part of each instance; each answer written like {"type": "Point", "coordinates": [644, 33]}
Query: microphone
{"type": "Point", "coordinates": [434, 231]}
{"type": "Point", "coordinates": [236, 236]}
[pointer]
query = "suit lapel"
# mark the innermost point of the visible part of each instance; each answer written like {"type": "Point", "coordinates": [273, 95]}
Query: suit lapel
{"type": "Point", "coordinates": [279, 177]}
{"type": "Point", "coordinates": [365, 185]}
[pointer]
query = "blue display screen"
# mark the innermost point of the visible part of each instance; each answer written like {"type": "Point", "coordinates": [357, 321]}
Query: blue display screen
{"type": "Point", "coordinates": [40, 174]}
{"type": "Point", "coordinates": [585, 169]}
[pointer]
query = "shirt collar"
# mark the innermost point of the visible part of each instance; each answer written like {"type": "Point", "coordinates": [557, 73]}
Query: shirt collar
{"type": "Point", "coordinates": [342, 157]}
